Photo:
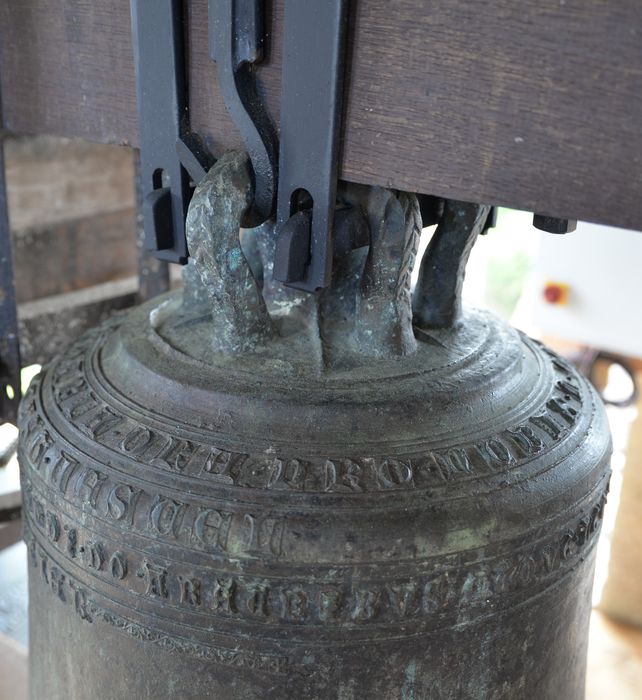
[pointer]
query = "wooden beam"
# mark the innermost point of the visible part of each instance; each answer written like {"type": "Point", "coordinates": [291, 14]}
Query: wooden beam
{"type": "Point", "coordinates": [52, 180]}
{"type": "Point", "coordinates": [74, 254]}
{"type": "Point", "coordinates": [534, 104]}
{"type": "Point", "coordinates": [47, 326]}
{"type": "Point", "coordinates": [67, 69]}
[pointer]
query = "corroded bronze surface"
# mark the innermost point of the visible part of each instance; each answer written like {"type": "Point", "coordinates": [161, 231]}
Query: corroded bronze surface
{"type": "Point", "coordinates": [298, 521]}
{"type": "Point", "coordinates": [291, 532]}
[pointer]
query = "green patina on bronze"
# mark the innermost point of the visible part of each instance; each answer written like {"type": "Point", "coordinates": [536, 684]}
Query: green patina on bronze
{"type": "Point", "coordinates": [240, 491]}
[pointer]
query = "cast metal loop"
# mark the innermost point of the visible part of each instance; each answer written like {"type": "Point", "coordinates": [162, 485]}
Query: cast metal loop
{"type": "Point", "coordinates": [220, 202]}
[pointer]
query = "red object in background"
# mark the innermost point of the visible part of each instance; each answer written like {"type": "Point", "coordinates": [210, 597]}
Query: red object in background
{"type": "Point", "coordinates": [556, 293]}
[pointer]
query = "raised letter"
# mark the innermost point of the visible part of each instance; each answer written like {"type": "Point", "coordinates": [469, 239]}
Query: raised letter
{"type": "Point", "coordinates": [211, 527]}
{"type": "Point", "coordinates": [88, 486]}
{"type": "Point", "coordinates": [190, 590]}
{"type": "Point", "coordinates": [293, 605]}
{"type": "Point", "coordinates": [401, 597]}
{"type": "Point", "coordinates": [258, 601]}
{"type": "Point", "coordinates": [156, 578]}
{"type": "Point", "coordinates": [121, 502]}
{"type": "Point", "coordinates": [166, 516]}
{"type": "Point", "coordinates": [366, 604]}
{"type": "Point", "coordinates": [223, 596]}
{"type": "Point", "coordinates": [118, 565]}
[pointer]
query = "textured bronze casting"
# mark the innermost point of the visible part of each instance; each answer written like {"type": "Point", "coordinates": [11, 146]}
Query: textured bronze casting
{"type": "Point", "coordinates": [243, 492]}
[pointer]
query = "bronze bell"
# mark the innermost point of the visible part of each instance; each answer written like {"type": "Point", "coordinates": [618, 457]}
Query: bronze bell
{"type": "Point", "coordinates": [243, 492]}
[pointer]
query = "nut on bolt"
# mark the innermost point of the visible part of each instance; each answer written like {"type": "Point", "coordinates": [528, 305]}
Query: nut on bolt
{"type": "Point", "coordinates": [551, 224]}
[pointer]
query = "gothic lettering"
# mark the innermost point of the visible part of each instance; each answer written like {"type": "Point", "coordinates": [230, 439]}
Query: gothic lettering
{"type": "Point", "coordinates": [264, 533]}
{"type": "Point", "coordinates": [53, 527]}
{"type": "Point", "coordinates": [527, 442]}
{"type": "Point", "coordinates": [118, 566]}
{"type": "Point", "coordinates": [401, 596]}
{"type": "Point", "coordinates": [190, 588]}
{"type": "Point", "coordinates": [102, 422]}
{"type": "Point", "coordinates": [211, 527]}
{"type": "Point", "coordinates": [223, 596]}
{"type": "Point", "coordinates": [57, 579]}
{"type": "Point", "coordinates": [494, 453]}
{"type": "Point", "coordinates": [257, 602]}
{"type": "Point", "coordinates": [136, 441]}
{"type": "Point", "coordinates": [81, 604]}
{"type": "Point", "coordinates": [329, 603]}
{"type": "Point", "coordinates": [366, 603]}
{"type": "Point", "coordinates": [166, 516]}
{"type": "Point", "coordinates": [293, 604]}
{"type": "Point", "coordinates": [72, 541]}
{"type": "Point", "coordinates": [561, 408]}
{"type": "Point", "coordinates": [89, 485]}
{"type": "Point", "coordinates": [62, 471]}
{"type": "Point", "coordinates": [95, 555]}
{"type": "Point", "coordinates": [121, 502]}
{"type": "Point", "coordinates": [394, 472]}
{"type": "Point", "coordinates": [156, 579]}
{"type": "Point", "coordinates": [175, 454]}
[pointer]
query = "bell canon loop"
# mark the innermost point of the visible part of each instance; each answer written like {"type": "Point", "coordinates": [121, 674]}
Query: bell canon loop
{"type": "Point", "coordinates": [246, 492]}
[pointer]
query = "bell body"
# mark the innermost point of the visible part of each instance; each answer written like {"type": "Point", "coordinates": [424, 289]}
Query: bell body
{"type": "Point", "coordinates": [250, 528]}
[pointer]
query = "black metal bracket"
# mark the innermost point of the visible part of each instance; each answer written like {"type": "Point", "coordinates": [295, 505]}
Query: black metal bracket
{"type": "Point", "coordinates": [311, 100]}
{"type": "Point", "coordinates": [312, 79]}
{"type": "Point", "coordinates": [236, 37]}
{"type": "Point", "coordinates": [170, 154]}
{"type": "Point", "coordinates": [311, 107]}
{"type": "Point", "coordinates": [9, 340]}
{"type": "Point", "coordinates": [302, 182]}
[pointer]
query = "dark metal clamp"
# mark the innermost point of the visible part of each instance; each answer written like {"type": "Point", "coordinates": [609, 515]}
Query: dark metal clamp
{"type": "Point", "coordinates": [299, 186]}
{"type": "Point", "coordinates": [311, 106]}
{"type": "Point", "coordinates": [312, 79]}
{"type": "Point", "coordinates": [172, 157]}
{"type": "Point", "coordinates": [237, 39]}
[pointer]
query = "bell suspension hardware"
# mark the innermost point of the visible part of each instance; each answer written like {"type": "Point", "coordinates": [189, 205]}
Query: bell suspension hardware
{"type": "Point", "coordinates": [437, 296]}
{"type": "Point", "coordinates": [312, 81]}
{"type": "Point", "coordinates": [552, 224]}
{"type": "Point", "coordinates": [170, 153]}
{"type": "Point", "coordinates": [311, 100]}
{"type": "Point", "coordinates": [219, 204]}
{"type": "Point", "coordinates": [236, 34]}
{"type": "Point", "coordinates": [311, 105]}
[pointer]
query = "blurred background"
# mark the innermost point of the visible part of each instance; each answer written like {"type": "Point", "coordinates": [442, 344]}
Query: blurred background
{"type": "Point", "coordinates": [76, 236]}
